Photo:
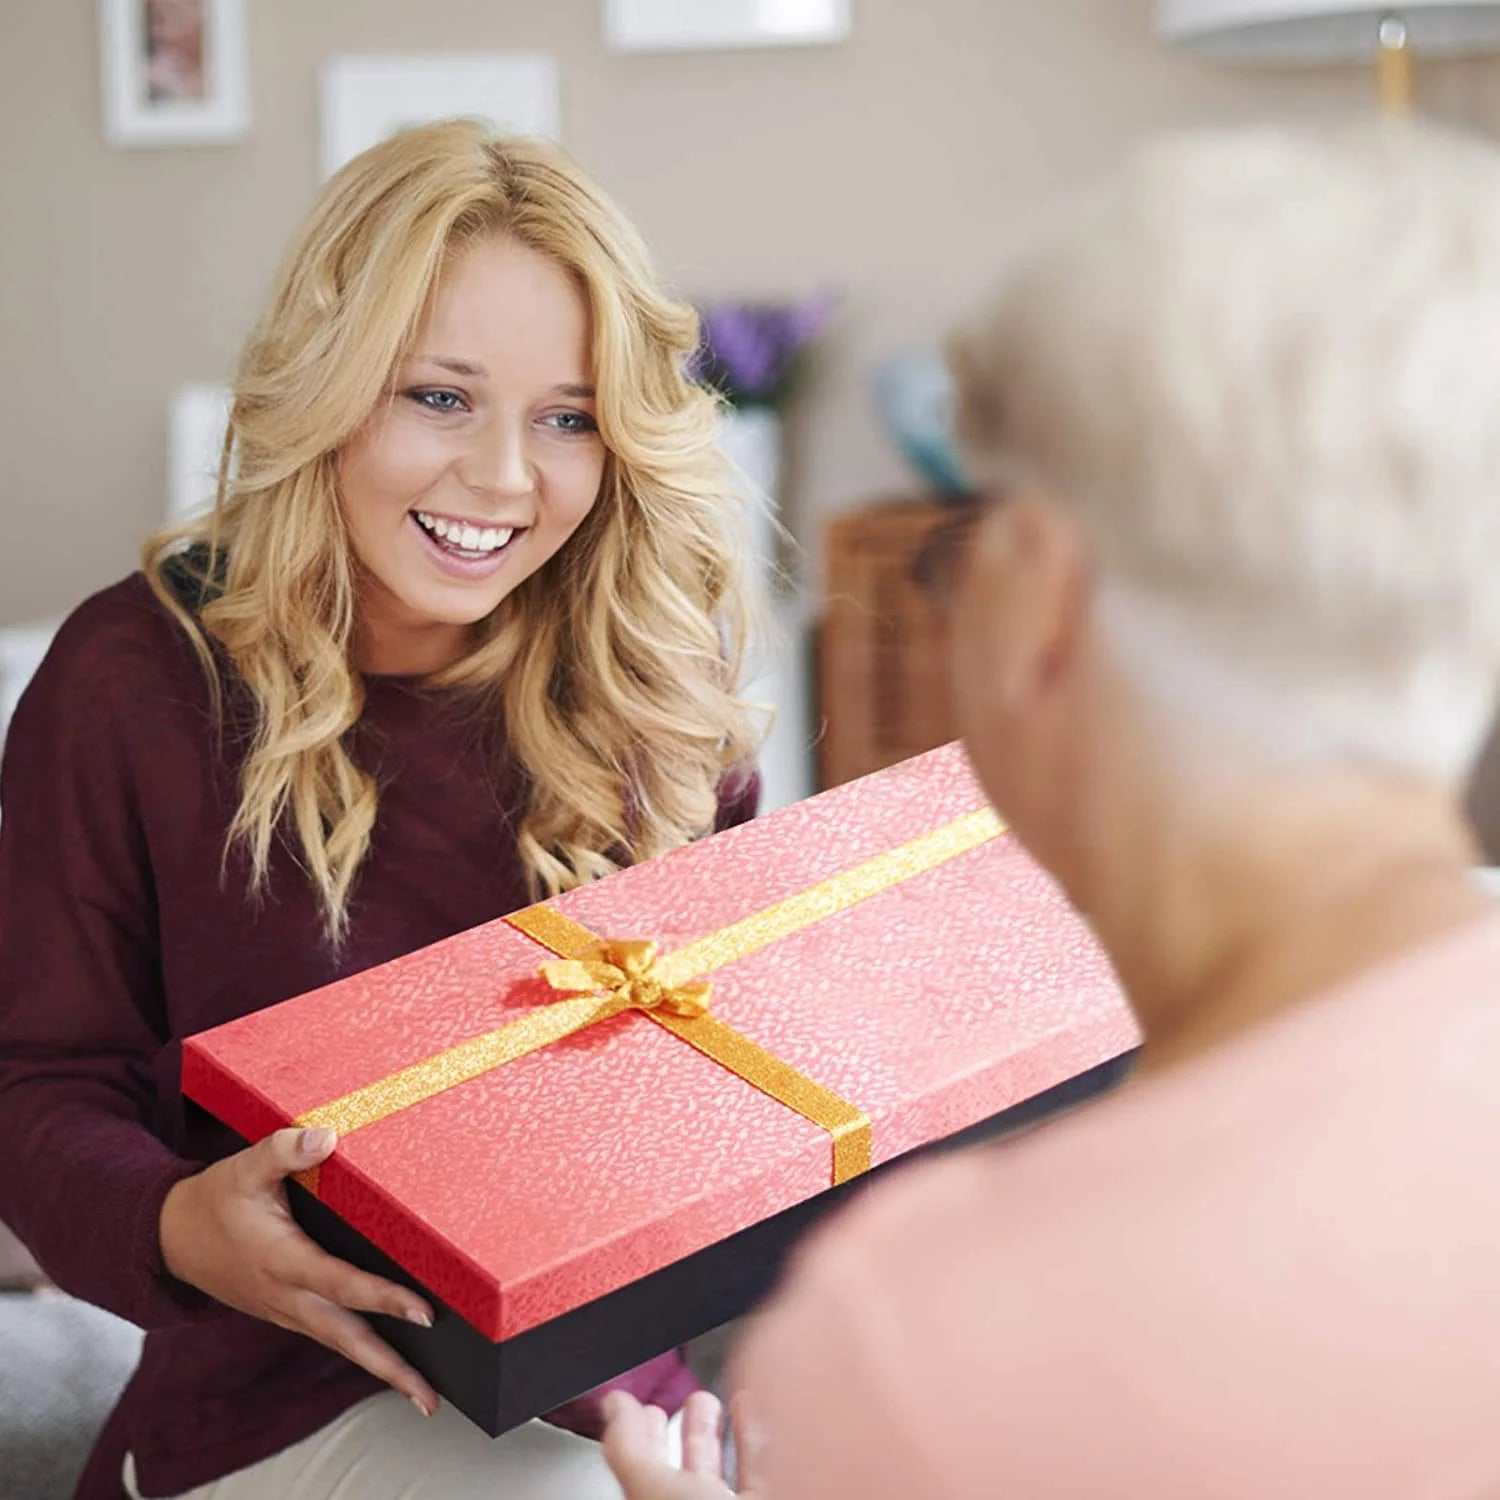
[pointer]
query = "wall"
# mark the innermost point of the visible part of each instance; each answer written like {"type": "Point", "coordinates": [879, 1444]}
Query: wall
{"type": "Point", "coordinates": [895, 167]}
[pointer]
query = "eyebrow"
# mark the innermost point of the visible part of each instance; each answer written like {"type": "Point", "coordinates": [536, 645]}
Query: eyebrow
{"type": "Point", "coordinates": [458, 366]}
{"type": "Point", "coordinates": [464, 367]}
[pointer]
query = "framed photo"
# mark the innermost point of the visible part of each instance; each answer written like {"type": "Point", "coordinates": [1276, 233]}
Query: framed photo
{"type": "Point", "coordinates": [174, 71]}
{"type": "Point", "coordinates": [366, 99]}
{"type": "Point", "coordinates": [705, 25]}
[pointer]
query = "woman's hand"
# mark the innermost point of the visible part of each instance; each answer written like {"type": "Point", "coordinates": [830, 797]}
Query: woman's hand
{"type": "Point", "coordinates": [229, 1232]}
{"type": "Point", "coordinates": [635, 1444]}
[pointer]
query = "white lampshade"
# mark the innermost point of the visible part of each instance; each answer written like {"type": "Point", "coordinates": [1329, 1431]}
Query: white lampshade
{"type": "Point", "coordinates": [1322, 31]}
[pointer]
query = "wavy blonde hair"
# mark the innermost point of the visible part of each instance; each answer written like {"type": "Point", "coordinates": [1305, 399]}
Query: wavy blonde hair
{"type": "Point", "coordinates": [614, 668]}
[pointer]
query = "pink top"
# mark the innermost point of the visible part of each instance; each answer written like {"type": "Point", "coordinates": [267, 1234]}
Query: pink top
{"type": "Point", "coordinates": [1274, 1270]}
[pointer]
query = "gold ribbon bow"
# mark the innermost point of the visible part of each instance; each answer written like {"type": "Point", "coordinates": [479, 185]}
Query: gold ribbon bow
{"type": "Point", "coordinates": [667, 989]}
{"type": "Point", "coordinates": [606, 977]}
{"type": "Point", "coordinates": [626, 969]}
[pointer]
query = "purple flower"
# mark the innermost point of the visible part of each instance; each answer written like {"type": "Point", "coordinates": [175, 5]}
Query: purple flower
{"type": "Point", "coordinates": [750, 350]}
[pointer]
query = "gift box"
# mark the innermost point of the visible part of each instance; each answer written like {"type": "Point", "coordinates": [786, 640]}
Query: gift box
{"type": "Point", "coordinates": [592, 1129]}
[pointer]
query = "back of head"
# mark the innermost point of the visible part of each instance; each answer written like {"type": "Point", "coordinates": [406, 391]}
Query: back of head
{"type": "Point", "coordinates": [1264, 367]}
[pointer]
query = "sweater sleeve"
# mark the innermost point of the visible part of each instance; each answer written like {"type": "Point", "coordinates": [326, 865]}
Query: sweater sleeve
{"type": "Point", "coordinates": [82, 1026]}
{"type": "Point", "coordinates": [739, 798]}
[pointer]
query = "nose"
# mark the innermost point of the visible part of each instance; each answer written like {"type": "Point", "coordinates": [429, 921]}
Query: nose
{"type": "Point", "coordinates": [498, 462]}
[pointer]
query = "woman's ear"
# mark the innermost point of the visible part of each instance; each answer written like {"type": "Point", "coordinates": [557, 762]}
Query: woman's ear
{"type": "Point", "coordinates": [1026, 598]}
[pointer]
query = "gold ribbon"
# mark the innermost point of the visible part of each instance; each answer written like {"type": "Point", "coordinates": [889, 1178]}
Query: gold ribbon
{"type": "Point", "coordinates": [637, 980]}
{"type": "Point", "coordinates": [613, 976]}
{"type": "Point", "coordinates": [626, 968]}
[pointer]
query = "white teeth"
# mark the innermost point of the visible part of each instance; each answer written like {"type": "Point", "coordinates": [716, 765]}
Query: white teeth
{"type": "Point", "coordinates": [469, 538]}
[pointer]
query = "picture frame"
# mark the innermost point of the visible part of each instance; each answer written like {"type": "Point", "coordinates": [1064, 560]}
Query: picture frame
{"type": "Point", "coordinates": [173, 72]}
{"type": "Point", "coordinates": [711, 25]}
{"type": "Point", "coordinates": [365, 98]}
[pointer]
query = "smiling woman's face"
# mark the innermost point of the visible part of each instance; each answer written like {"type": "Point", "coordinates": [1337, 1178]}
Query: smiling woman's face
{"type": "Point", "coordinates": [483, 462]}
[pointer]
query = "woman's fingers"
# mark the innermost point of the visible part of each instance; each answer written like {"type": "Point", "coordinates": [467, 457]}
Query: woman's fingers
{"type": "Point", "coordinates": [630, 1436]}
{"type": "Point", "coordinates": [228, 1231]}
{"type": "Point", "coordinates": [281, 1153]}
{"type": "Point", "coordinates": [702, 1441]}
{"type": "Point", "coordinates": [348, 1334]}
{"type": "Point", "coordinates": [656, 1424]}
{"type": "Point", "coordinates": [305, 1267]}
{"type": "Point", "coordinates": [635, 1447]}
{"type": "Point", "coordinates": [634, 1430]}
{"type": "Point", "coordinates": [749, 1447]}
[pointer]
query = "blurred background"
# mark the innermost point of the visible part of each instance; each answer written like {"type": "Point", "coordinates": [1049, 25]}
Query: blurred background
{"type": "Point", "coordinates": [833, 181]}
{"type": "Point", "coordinates": [862, 163]}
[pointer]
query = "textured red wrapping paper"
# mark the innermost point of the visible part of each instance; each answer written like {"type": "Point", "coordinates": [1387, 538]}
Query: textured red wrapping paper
{"type": "Point", "coordinates": [568, 1173]}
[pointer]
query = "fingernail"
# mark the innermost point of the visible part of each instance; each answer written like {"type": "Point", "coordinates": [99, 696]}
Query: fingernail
{"type": "Point", "coordinates": [314, 1141]}
{"type": "Point", "coordinates": [420, 1316]}
{"type": "Point", "coordinates": [417, 1402]}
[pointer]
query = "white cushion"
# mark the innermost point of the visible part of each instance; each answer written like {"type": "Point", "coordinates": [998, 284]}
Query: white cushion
{"type": "Point", "coordinates": [22, 648]}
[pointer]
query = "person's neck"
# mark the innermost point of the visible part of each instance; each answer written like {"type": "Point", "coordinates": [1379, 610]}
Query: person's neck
{"type": "Point", "coordinates": [1286, 889]}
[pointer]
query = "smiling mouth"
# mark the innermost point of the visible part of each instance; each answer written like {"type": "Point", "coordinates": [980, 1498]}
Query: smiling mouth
{"type": "Point", "coordinates": [464, 540]}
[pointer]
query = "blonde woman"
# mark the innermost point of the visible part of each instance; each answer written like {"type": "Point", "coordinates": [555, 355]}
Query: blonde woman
{"type": "Point", "coordinates": [1224, 657]}
{"type": "Point", "coordinates": [463, 627]}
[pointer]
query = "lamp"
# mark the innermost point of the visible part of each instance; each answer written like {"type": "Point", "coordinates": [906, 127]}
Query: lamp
{"type": "Point", "coordinates": [1322, 31]}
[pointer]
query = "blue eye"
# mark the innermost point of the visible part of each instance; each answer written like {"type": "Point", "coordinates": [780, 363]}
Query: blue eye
{"type": "Point", "coordinates": [573, 421]}
{"type": "Point", "coordinates": [437, 400]}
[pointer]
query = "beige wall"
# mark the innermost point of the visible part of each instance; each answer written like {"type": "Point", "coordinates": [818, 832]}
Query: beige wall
{"type": "Point", "coordinates": [894, 167]}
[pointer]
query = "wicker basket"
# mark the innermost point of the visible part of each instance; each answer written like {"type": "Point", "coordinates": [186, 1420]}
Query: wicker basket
{"type": "Point", "coordinates": [883, 646]}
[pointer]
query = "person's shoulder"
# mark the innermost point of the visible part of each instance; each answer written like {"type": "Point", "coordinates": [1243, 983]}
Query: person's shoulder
{"type": "Point", "coordinates": [124, 615]}
{"type": "Point", "coordinates": [1214, 1238]}
{"type": "Point", "coordinates": [959, 1312]}
{"type": "Point", "coordinates": [1365, 1071]}
{"type": "Point", "coordinates": [122, 640]}
{"type": "Point", "coordinates": [987, 1238]}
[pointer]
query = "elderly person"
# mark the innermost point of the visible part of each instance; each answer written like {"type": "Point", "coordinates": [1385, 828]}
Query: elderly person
{"type": "Point", "coordinates": [1224, 656]}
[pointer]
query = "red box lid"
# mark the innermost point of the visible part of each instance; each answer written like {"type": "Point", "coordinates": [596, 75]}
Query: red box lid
{"type": "Point", "coordinates": [565, 1174]}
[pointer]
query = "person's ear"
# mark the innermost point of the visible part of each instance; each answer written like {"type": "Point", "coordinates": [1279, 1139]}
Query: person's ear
{"type": "Point", "coordinates": [1030, 577]}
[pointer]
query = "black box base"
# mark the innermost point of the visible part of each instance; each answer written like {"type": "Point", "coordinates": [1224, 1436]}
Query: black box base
{"type": "Point", "coordinates": [500, 1385]}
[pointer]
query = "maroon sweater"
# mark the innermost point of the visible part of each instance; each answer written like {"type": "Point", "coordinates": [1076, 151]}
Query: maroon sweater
{"type": "Point", "coordinates": [118, 937]}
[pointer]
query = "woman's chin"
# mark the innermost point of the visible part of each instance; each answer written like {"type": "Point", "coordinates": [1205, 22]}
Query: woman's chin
{"type": "Point", "coordinates": [464, 613]}
{"type": "Point", "coordinates": [417, 612]}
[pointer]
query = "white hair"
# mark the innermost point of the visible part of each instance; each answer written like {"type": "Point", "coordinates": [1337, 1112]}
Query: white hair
{"type": "Point", "coordinates": [1264, 367]}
